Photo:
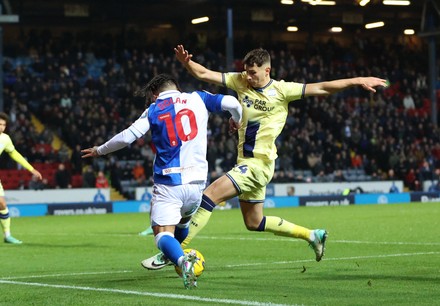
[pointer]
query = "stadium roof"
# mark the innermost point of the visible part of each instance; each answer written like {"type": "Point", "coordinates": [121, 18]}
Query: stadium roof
{"type": "Point", "coordinates": [247, 14]}
{"type": "Point", "coordinates": [253, 16]}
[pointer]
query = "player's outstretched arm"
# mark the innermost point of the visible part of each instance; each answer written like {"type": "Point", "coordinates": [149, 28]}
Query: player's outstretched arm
{"type": "Point", "coordinates": [90, 152]}
{"type": "Point", "coordinates": [117, 142]}
{"type": "Point", "coordinates": [15, 155]}
{"type": "Point", "coordinates": [198, 71]}
{"type": "Point", "coordinates": [331, 87]}
{"type": "Point", "coordinates": [233, 106]}
{"type": "Point", "coordinates": [37, 174]}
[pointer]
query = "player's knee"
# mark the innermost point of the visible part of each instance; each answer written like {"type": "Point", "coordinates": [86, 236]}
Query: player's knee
{"type": "Point", "coordinates": [252, 226]}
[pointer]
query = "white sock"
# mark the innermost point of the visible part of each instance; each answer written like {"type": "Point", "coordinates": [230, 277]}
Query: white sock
{"type": "Point", "coordinates": [312, 236]}
{"type": "Point", "coordinates": [179, 261]}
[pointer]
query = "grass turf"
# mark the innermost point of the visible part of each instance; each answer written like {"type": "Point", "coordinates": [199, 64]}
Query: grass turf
{"type": "Point", "coordinates": [376, 255]}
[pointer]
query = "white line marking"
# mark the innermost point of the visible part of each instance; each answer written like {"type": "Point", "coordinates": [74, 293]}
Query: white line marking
{"type": "Point", "coordinates": [386, 242]}
{"type": "Point", "coordinates": [9, 280]}
{"type": "Point", "coordinates": [331, 241]}
{"type": "Point", "coordinates": [253, 239]}
{"type": "Point", "coordinates": [159, 295]}
{"type": "Point", "coordinates": [335, 259]}
{"type": "Point", "coordinates": [66, 274]}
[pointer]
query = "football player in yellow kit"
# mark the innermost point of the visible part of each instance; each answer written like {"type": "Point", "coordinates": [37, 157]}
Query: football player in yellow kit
{"type": "Point", "coordinates": [265, 108]}
{"type": "Point", "coordinates": [7, 146]}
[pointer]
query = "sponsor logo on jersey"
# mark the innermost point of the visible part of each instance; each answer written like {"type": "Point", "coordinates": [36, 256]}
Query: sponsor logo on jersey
{"type": "Point", "coordinates": [248, 101]}
{"type": "Point", "coordinates": [258, 104]}
{"type": "Point", "coordinates": [272, 92]}
{"type": "Point", "coordinates": [176, 170]}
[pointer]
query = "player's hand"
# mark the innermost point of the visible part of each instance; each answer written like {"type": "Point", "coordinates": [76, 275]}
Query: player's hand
{"type": "Point", "coordinates": [369, 83]}
{"type": "Point", "coordinates": [90, 152]}
{"type": "Point", "coordinates": [233, 126]}
{"type": "Point", "coordinates": [37, 174]}
{"type": "Point", "coordinates": [182, 55]}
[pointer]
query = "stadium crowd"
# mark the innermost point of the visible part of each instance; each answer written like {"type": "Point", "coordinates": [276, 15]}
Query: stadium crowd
{"type": "Point", "coordinates": [81, 89]}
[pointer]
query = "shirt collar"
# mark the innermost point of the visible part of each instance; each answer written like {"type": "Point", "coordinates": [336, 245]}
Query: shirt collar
{"type": "Point", "coordinates": [168, 93]}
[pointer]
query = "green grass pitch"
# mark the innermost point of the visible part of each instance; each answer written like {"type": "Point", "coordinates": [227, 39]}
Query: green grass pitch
{"type": "Point", "coordinates": [376, 255]}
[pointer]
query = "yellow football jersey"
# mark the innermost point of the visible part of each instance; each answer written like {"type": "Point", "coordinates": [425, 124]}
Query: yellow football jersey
{"type": "Point", "coordinates": [6, 143]}
{"type": "Point", "coordinates": [264, 113]}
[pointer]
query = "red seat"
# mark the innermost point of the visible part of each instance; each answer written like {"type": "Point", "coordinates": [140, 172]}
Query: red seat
{"type": "Point", "coordinates": [77, 181]}
{"type": "Point", "coordinates": [47, 148]}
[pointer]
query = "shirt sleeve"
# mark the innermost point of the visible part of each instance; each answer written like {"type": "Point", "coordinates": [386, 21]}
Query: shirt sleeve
{"type": "Point", "coordinates": [234, 80]}
{"type": "Point", "coordinates": [292, 91]}
{"type": "Point", "coordinates": [9, 146]}
{"type": "Point", "coordinates": [218, 102]}
{"type": "Point", "coordinates": [15, 155]}
{"type": "Point", "coordinates": [231, 104]}
{"type": "Point", "coordinates": [213, 102]}
{"type": "Point", "coordinates": [139, 128]}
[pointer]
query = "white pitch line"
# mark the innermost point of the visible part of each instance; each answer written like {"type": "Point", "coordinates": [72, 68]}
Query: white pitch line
{"type": "Point", "coordinates": [159, 295]}
{"type": "Point", "coordinates": [336, 259]}
{"type": "Point", "coordinates": [65, 274]}
{"type": "Point", "coordinates": [385, 242]}
{"type": "Point", "coordinates": [261, 239]}
{"type": "Point", "coordinates": [192, 298]}
{"type": "Point", "coordinates": [331, 241]}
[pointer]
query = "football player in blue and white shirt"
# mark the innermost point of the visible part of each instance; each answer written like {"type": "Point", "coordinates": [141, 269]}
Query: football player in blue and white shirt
{"type": "Point", "coordinates": [178, 124]}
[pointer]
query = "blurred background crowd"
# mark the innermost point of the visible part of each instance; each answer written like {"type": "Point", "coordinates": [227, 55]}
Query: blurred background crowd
{"type": "Point", "coordinates": [75, 91]}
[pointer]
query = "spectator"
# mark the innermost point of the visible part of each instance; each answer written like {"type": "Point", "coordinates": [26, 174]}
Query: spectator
{"type": "Point", "coordinates": [65, 101]}
{"type": "Point", "coordinates": [291, 191]}
{"type": "Point", "coordinates": [62, 177]}
{"type": "Point", "coordinates": [356, 160]}
{"type": "Point", "coordinates": [321, 177]}
{"type": "Point", "coordinates": [338, 176]}
{"type": "Point", "coordinates": [63, 153]}
{"type": "Point", "coordinates": [408, 101]}
{"type": "Point", "coordinates": [101, 180]}
{"type": "Point", "coordinates": [391, 175]}
{"type": "Point", "coordinates": [36, 184]}
{"type": "Point", "coordinates": [425, 172]}
{"type": "Point", "coordinates": [88, 177]}
{"type": "Point", "coordinates": [139, 173]}
{"type": "Point", "coordinates": [116, 174]}
{"type": "Point", "coordinates": [75, 160]}
{"type": "Point", "coordinates": [435, 186]}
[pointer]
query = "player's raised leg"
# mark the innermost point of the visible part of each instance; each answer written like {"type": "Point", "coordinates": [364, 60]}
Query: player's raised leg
{"type": "Point", "coordinates": [256, 221]}
{"type": "Point", "coordinates": [220, 190]}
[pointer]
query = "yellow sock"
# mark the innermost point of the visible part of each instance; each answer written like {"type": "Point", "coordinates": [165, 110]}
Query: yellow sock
{"type": "Point", "coordinates": [281, 227]}
{"type": "Point", "coordinates": [5, 221]}
{"type": "Point", "coordinates": [198, 222]}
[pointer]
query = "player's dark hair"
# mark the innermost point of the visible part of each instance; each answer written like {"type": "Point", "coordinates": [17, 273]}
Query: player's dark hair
{"type": "Point", "coordinates": [4, 116]}
{"type": "Point", "coordinates": [257, 56]}
{"type": "Point", "coordinates": [156, 85]}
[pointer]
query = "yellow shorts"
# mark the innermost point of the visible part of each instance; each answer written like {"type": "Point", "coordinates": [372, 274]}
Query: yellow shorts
{"type": "Point", "coordinates": [250, 176]}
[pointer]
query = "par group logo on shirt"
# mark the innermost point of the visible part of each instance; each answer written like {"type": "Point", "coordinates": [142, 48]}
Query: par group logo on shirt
{"type": "Point", "coordinates": [248, 101]}
{"type": "Point", "coordinates": [257, 104]}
